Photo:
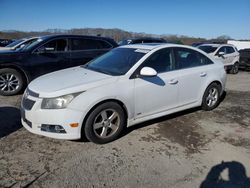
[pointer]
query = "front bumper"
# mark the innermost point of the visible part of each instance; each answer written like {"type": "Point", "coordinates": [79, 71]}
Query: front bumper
{"type": "Point", "coordinates": [35, 117]}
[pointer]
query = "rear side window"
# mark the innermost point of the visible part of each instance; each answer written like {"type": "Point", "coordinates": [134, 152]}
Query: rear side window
{"type": "Point", "coordinates": [161, 61]}
{"type": "Point", "coordinates": [88, 44]}
{"type": "Point", "coordinates": [187, 58]}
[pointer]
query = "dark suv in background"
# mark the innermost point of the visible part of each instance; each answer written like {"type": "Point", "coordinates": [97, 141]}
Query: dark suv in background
{"type": "Point", "coordinates": [141, 41]}
{"type": "Point", "coordinates": [244, 59]}
{"type": "Point", "coordinates": [47, 54]}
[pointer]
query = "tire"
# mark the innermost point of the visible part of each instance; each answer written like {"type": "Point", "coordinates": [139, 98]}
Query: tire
{"type": "Point", "coordinates": [105, 123]}
{"type": "Point", "coordinates": [235, 68]}
{"type": "Point", "coordinates": [211, 97]}
{"type": "Point", "coordinates": [11, 82]}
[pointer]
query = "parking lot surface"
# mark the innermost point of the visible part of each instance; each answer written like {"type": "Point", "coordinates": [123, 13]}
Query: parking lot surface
{"type": "Point", "coordinates": [188, 149]}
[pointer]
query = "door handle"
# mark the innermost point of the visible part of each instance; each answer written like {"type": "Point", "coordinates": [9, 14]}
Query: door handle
{"type": "Point", "coordinates": [173, 81]}
{"type": "Point", "coordinates": [203, 74]}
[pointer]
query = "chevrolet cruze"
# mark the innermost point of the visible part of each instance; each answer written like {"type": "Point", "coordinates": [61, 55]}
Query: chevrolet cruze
{"type": "Point", "coordinates": [126, 86]}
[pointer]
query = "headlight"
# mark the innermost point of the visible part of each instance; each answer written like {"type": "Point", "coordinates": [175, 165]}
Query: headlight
{"type": "Point", "coordinates": [58, 102]}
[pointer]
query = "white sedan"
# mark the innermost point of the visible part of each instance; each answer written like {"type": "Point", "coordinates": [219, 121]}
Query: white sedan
{"type": "Point", "coordinates": [125, 86]}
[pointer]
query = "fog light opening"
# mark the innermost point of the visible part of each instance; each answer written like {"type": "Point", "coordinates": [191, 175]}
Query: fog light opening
{"type": "Point", "coordinates": [52, 128]}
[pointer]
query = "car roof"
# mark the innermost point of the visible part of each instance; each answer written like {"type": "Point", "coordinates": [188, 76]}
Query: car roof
{"type": "Point", "coordinates": [216, 45]}
{"type": "Point", "coordinates": [146, 38]}
{"type": "Point", "coordinates": [70, 35]}
{"type": "Point", "coordinates": [151, 46]}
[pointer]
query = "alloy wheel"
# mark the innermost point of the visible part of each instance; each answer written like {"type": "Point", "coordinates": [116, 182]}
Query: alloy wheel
{"type": "Point", "coordinates": [106, 123]}
{"type": "Point", "coordinates": [213, 96]}
{"type": "Point", "coordinates": [9, 82]}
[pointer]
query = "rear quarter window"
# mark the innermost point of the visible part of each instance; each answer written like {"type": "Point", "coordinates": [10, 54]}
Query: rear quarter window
{"type": "Point", "coordinates": [89, 44]}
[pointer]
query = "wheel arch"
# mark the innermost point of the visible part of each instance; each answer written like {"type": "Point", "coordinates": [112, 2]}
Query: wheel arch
{"type": "Point", "coordinates": [216, 82]}
{"type": "Point", "coordinates": [123, 106]}
{"type": "Point", "coordinates": [25, 76]}
{"type": "Point", "coordinates": [207, 85]}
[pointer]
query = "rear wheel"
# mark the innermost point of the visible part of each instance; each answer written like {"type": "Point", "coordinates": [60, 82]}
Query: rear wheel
{"type": "Point", "coordinates": [211, 97]}
{"type": "Point", "coordinates": [105, 123]}
{"type": "Point", "coordinates": [235, 69]}
{"type": "Point", "coordinates": [11, 82]}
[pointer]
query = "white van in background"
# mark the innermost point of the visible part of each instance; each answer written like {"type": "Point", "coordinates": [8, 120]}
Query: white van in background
{"type": "Point", "coordinates": [240, 45]}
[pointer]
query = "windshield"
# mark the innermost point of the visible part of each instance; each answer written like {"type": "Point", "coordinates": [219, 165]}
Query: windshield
{"type": "Point", "coordinates": [208, 49]}
{"type": "Point", "coordinates": [31, 44]}
{"type": "Point", "coordinates": [116, 62]}
{"type": "Point", "coordinates": [27, 42]}
{"type": "Point", "coordinates": [15, 43]}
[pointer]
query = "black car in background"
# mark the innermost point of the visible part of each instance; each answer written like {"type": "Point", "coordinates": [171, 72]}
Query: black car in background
{"type": "Point", "coordinates": [244, 59]}
{"type": "Point", "coordinates": [5, 42]}
{"type": "Point", "coordinates": [142, 40]}
{"type": "Point", "coordinates": [47, 54]}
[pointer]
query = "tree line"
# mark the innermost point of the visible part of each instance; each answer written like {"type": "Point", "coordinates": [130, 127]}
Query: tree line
{"type": "Point", "coordinates": [116, 34]}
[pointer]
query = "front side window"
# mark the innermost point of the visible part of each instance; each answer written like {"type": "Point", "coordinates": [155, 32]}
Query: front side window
{"type": "Point", "coordinates": [58, 45]}
{"type": "Point", "coordinates": [161, 61]}
{"type": "Point", "coordinates": [187, 58]}
{"type": "Point", "coordinates": [222, 49]}
{"type": "Point", "coordinates": [230, 50]}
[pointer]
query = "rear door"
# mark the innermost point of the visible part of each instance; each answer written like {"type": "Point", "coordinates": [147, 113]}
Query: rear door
{"type": "Point", "coordinates": [193, 74]}
{"type": "Point", "coordinates": [84, 50]}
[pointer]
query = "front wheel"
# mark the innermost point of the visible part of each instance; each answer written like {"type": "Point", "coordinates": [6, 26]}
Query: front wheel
{"type": "Point", "coordinates": [211, 97]}
{"type": "Point", "coordinates": [235, 69]}
{"type": "Point", "coordinates": [11, 82]}
{"type": "Point", "coordinates": [105, 123]}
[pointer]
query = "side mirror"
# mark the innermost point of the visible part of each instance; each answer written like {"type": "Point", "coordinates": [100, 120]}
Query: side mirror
{"type": "Point", "coordinates": [220, 54]}
{"type": "Point", "coordinates": [148, 72]}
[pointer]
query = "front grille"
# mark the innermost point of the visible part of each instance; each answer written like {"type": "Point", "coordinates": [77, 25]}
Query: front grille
{"type": "Point", "coordinates": [27, 103]}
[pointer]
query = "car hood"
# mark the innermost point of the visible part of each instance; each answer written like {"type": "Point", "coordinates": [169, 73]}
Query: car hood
{"type": "Point", "coordinates": [11, 55]}
{"type": "Point", "coordinates": [5, 48]}
{"type": "Point", "coordinates": [72, 80]}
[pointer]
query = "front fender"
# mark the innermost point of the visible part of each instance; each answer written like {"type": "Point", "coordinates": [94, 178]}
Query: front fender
{"type": "Point", "coordinates": [88, 99]}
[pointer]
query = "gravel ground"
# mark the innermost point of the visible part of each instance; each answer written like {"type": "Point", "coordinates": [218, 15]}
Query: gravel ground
{"type": "Point", "coordinates": [184, 150]}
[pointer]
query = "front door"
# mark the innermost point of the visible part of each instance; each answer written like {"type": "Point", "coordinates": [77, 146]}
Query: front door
{"type": "Point", "coordinates": [159, 93]}
{"type": "Point", "coordinates": [50, 57]}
